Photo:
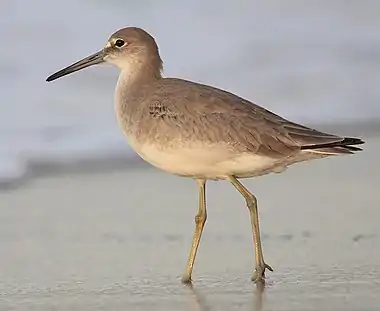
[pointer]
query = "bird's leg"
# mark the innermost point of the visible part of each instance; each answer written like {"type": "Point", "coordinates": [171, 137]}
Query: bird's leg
{"type": "Point", "coordinates": [259, 273]}
{"type": "Point", "coordinates": [200, 220]}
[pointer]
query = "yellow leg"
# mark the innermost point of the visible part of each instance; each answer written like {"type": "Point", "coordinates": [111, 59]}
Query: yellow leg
{"type": "Point", "coordinates": [259, 274]}
{"type": "Point", "coordinates": [200, 220]}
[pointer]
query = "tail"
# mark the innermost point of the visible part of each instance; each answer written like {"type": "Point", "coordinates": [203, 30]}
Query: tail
{"type": "Point", "coordinates": [344, 146]}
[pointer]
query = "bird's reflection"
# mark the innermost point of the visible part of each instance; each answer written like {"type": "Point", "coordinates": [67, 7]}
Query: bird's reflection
{"type": "Point", "coordinates": [258, 296]}
{"type": "Point", "coordinates": [200, 303]}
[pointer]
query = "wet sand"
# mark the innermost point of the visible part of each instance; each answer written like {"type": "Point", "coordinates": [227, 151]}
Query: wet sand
{"type": "Point", "coordinates": [119, 240]}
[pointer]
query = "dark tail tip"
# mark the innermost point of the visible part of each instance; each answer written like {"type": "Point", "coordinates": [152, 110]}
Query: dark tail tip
{"type": "Point", "coordinates": [346, 143]}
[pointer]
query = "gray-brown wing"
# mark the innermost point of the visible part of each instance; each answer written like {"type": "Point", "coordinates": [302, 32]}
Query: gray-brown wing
{"type": "Point", "coordinates": [209, 114]}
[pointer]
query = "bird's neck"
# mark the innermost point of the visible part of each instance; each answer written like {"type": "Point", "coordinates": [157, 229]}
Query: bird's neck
{"type": "Point", "coordinates": [133, 83]}
{"type": "Point", "coordinates": [137, 75]}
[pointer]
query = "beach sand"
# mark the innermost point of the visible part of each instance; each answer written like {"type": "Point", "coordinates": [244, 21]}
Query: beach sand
{"type": "Point", "coordinates": [118, 239]}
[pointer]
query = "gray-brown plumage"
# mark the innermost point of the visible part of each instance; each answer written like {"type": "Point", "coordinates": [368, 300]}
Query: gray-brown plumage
{"type": "Point", "coordinates": [202, 132]}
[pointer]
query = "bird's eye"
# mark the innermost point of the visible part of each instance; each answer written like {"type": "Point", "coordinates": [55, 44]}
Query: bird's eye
{"type": "Point", "coordinates": [119, 43]}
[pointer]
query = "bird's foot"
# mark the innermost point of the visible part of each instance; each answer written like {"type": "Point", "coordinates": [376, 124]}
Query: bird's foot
{"type": "Point", "coordinates": [259, 274]}
{"type": "Point", "coordinates": [186, 279]}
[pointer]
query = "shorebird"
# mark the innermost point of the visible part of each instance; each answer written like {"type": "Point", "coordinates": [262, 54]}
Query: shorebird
{"type": "Point", "coordinates": [202, 132]}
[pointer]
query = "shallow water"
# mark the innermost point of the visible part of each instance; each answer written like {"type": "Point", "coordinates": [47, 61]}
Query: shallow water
{"type": "Point", "coordinates": [119, 240]}
{"type": "Point", "coordinates": [312, 62]}
{"type": "Point", "coordinates": [319, 290]}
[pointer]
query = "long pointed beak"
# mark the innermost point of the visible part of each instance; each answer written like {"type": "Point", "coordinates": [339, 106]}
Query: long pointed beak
{"type": "Point", "coordinates": [93, 59]}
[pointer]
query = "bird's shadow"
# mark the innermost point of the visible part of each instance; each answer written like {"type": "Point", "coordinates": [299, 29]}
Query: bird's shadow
{"type": "Point", "coordinates": [198, 300]}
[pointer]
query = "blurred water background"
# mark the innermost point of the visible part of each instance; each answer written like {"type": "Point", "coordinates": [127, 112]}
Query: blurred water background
{"type": "Point", "coordinates": [312, 61]}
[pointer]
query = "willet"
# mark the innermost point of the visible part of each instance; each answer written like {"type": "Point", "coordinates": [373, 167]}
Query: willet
{"type": "Point", "coordinates": [198, 131]}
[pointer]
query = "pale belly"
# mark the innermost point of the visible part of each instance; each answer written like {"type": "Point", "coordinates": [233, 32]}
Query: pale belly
{"type": "Point", "coordinates": [208, 162]}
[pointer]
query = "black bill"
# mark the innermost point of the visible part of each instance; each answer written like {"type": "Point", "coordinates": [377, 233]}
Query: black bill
{"type": "Point", "coordinates": [93, 59]}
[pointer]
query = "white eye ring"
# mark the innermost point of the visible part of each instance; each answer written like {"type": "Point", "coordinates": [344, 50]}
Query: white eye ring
{"type": "Point", "coordinates": [119, 43]}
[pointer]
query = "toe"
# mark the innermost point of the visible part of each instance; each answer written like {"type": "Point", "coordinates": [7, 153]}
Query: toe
{"type": "Point", "coordinates": [259, 274]}
{"type": "Point", "coordinates": [268, 267]}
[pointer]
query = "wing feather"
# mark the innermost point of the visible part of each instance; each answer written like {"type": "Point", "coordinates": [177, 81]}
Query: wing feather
{"type": "Point", "coordinates": [216, 116]}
